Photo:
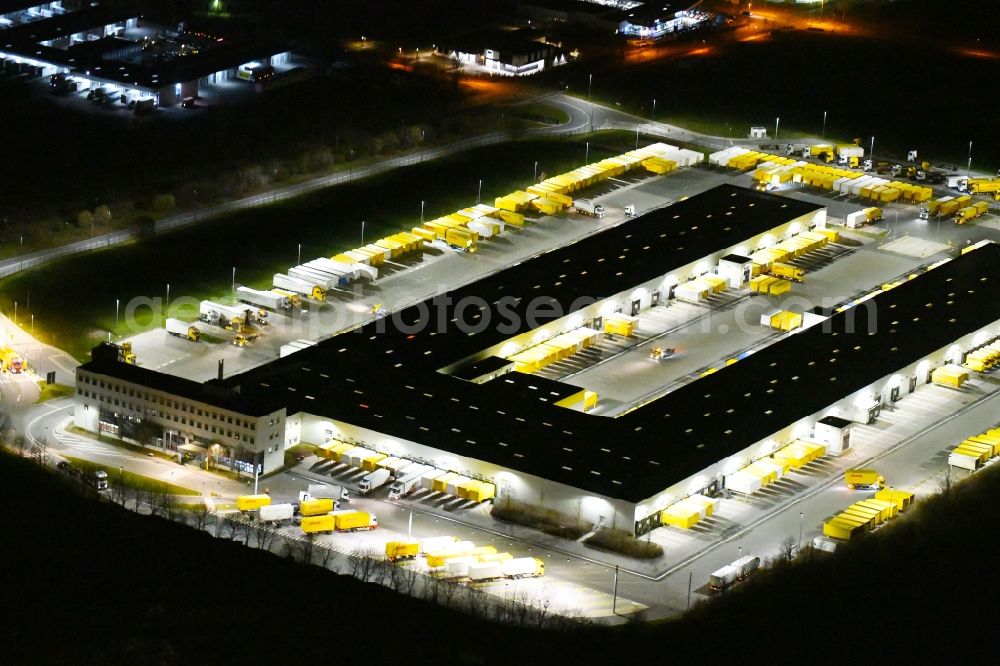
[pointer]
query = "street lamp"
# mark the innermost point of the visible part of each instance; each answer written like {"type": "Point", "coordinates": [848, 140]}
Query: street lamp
{"type": "Point", "coordinates": [536, 171]}
{"type": "Point", "coordinates": [479, 192]}
{"type": "Point", "coordinates": [300, 253]}
{"type": "Point", "coordinates": [776, 121]}
{"type": "Point", "coordinates": [871, 152]}
{"type": "Point", "coordinates": [15, 313]}
{"type": "Point", "coordinates": [234, 278]}
{"type": "Point", "coordinates": [824, 124]}
{"type": "Point", "coordinates": [801, 515]}
{"type": "Point", "coordinates": [117, 309]}
{"type": "Point", "coordinates": [168, 297]}
{"type": "Point", "coordinates": [654, 108]}
{"type": "Point", "coordinates": [421, 211]}
{"type": "Point", "coordinates": [362, 232]}
{"type": "Point", "coordinates": [590, 83]}
{"type": "Point", "coordinates": [586, 158]}
{"type": "Point", "coordinates": [968, 168]}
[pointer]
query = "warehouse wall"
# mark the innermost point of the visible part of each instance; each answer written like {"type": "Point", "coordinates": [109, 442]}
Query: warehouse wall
{"type": "Point", "coordinates": [513, 484]}
{"type": "Point", "coordinates": [644, 292]}
{"type": "Point", "coordinates": [803, 428]}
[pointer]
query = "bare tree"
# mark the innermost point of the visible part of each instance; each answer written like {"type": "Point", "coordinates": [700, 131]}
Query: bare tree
{"type": "Point", "coordinates": [263, 536]}
{"type": "Point", "coordinates": [786, 552]}
{"type": "Point", "coordinates": [364, 563]}
{"type": "Point", "coordinates": [402, 579]}
{"type": "Point", "coordinates": [325, 557]}
{"type": "Point", "coordinates": [200, 514]}
{"type": "Point", "coordinates": [300, 550]}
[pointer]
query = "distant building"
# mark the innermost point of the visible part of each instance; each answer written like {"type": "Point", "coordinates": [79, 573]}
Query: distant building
{"type": "Point", "coordinates": [89, 47]}
{"type": "Point", "coordinates": [506, 55]}
{"type": "Point", "coordinates": [657, 20]}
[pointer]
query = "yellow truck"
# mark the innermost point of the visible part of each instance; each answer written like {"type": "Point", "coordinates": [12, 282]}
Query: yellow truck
{"type": "Point", "coordinates": [402, 550]}
{"type": "Point", "coordinates": [990, 186]}
{"type": "Point", "coordinates": [864, 479]}
{"type": "Point", "coordinates": [252, 502]}
{"type": "Point", "coordinates": [11, 361]}
{"type": "Point", "coordinates": [787, 271]}
{"type": "Point", "coordinates": [316, 507]}
{"type": "Point", "coordinates": [319, 524]}
{"type": "Point", "coordinates": [352, 521]}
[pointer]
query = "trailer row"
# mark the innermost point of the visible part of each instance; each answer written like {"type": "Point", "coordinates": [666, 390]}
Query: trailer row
{"type": "Point", "coordinates": [555, 349]}
{"type": "Point", "coordinates": [766, 471]}
{"type": "Point", "coordinates": [689, 511]}
{"type": "Point", "coordinates": [698, 290]}
{"type": "Point", "coordinates": [553, 195]}
{"type": "Point", "coordinates": [974, 452]}
{"type": "Point", "coordinates": [950, 375]}
{"type": "Point", "coordinates": [447, 557]}
{"type": "Point", "coordinates": [864, 516]}
{"type": "Point", "coordinates": [782, 320]}
{"type": "Point", "coordinates": [983, 358]}
{"type": "Point", "coordinates": [406, 475]}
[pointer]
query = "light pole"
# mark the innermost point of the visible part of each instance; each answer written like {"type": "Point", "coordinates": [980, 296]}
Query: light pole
{"type": "Point", "coordinates": [421, 212]}
{"type": "Point", "coordinates": [362, 232]}
{"type": "Point", "coordinates": [614, 597]}
{"type": "Point", "coordinates": [15, 313]}
{"type": "Point", "coordinates": [871, 152]}
{"type": "Point", "coordinates": [654, 108]}
{"type": "Point", "coordinates": [32, 325]}
{"type": "Point", "coordinates": [590, 84]}
{"type": "Point", "coordinates": [479, 192]}
{"type": "Point", "coordinates": [586, 155]}
{"type": "Point", "coordinates": [117, 309]}
{"type": "Point", "coordinates": [168, 297]}
{"type": "Point", "coordinates": [300, 253]}
{"type": "Point", "coordinates": [968, 168]}
{"type": "Point", "coordinates": [824, 124]}
{"type": "Point", "coordinates": [801, 515]}
{"type": "Point", "coordinates": [776, 121]}
{"type": "Point", "coordinates": [234, 278]}
{"type": "Point", "coordinates": [536, 171]}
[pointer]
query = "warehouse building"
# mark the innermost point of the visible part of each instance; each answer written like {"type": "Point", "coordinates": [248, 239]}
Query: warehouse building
{"type": "Point", "coordinates": [430, 382]}
{"type": "Point", "coordinates": [505, 54]}
{"type": "Point", "coordinates": [93, 47]}
{"type": "Point", "coordinates": [657, 20]}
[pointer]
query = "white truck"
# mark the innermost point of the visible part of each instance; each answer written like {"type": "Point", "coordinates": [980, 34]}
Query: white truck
{"type": "Point", "coordinates": [373, 480]}
{"type": "Point", "coordinates": [221, 315]}
{"type": "Point", "coordinates": [739, 570]}
{"type": "Point", "coordinates": [263, 299]}
{"type": "Point", "coordinates": [588, 207]}
{"type": "Point", "coordinates": [276, 512]}
{"type": "Point", "coordinates": [324, 491]}
{"type": "Point", "coordinates": [307, 288]}
{"type": "Point", "coordinates": [407, 484]}
{"type": "Point", "coordinates": [960, 183]}
{"type": "Point", "coordinates": [183, 329]}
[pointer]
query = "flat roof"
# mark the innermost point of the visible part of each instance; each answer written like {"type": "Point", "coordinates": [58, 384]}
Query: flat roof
{"type": "Point", "coordinates": [385, 375]}
{"type": "Point", "coordinates": [208, 393]}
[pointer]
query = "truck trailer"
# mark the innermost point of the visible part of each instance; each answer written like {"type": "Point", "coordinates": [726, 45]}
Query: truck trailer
{"type": "Point", "coordinates": [410, 482]}
{"type": "Point", "coordinates": [306, 288]}
{"type": "Point", "coordinates": [276, 512]}
{"type": "Point", "coordinates": [373, 480]}
{"type": "Point", "coordinates": [863, 479]}
{"type": "Point", "coordinates": [252, 502]}
{"type": "Point", "coordinates": [183, 329]}
{"type": "Point", "coordinates": [324, 491]}
{"type": "Point", "coordinates": [263, 299]}
{"type": "Point", "coordinates": [316, 507]}
{"type": "Point", "coordinates": [352, 521]}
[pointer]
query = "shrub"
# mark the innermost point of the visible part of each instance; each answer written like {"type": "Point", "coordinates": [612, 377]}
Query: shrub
{"type": "Point", "coordinates": [539, 518]}
{"type": "Point", "coordinates": [620, 541]}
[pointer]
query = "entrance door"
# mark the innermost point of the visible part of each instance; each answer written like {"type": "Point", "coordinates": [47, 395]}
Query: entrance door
{"type": "Point", "coordinates": [635, 307]}
{"type": "Point", "coordinates": [655, 299]}
{"type": "Point", "coordinates": [894, 394]}
{"type": "Point", "coordinates": [913, 383]}
{"type": "Point", "coordinates": [598, 323]}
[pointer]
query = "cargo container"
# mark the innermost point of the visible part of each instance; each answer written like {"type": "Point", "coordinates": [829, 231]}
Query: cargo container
{"type": "Point", "coordinates": [787, 271]}
{"type": "Point", "coordinates": [402, 550]}
{"type": "Point", "coordinates": [352, 521]}
{"type": "Point", "coordinates": [428, 477]}
{"type": "Point", "coordinates": [484, 571]}
{"type": "Point", "coordinates": [432, 544]}
{"type": "Point", "coordinates": [316, 524]}
{"type": "Point", "coordinates": [458, 567]}
{"type": "Point", "coordinates": [901, 498]}
{"type": "Point", "coordinates": [356, 456]}
{"type": "Point", "coordinates": [252, 502]}
{"type": "Point", "coordinates": [863, 479]}
{"type": "Point", "coordinates": [844, 530]}
{"type": "Point", "coordinates": [371, 462]}
{"type": "Point", "coordinates": [316, 507]}
{"type": "Point", "coordinates": [276, 512]}
{"type": "Point", "coordinates": [440, 484]}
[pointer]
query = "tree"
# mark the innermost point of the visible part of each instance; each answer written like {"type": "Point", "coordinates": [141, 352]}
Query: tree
{"type": "Point", "coordinates": [364, 563]}
{"type": "Point", "coordinates": [786, 552]}
{"type": "Point", "coordinates": [200, 515]}
{"type": "Point", "coordinates": [84, 219]}
{"type": "Point", "coordinates": [102, 214]}
{"type": "Point", "coordinates": [263, 536]}
{"type": "Point", "coordinates": [164, 203]}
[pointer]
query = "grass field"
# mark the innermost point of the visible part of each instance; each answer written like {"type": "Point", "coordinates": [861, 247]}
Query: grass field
{"type": "Point", "coordinates": [51, 391]}
{"type": "Point", "coordinates": [75, 302]}
{"type": "Point", "coordinates": [132, 480]}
